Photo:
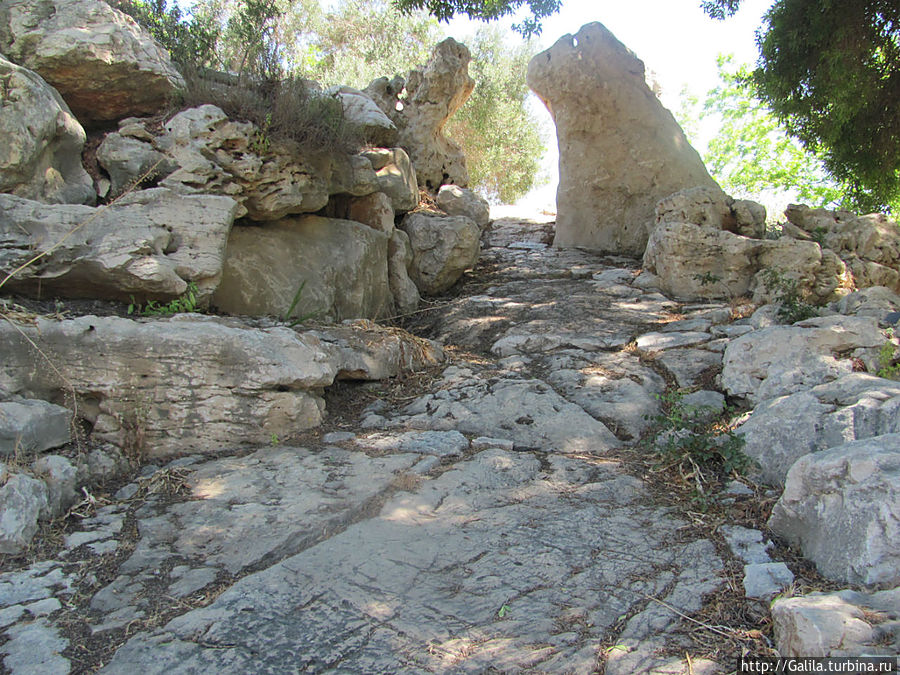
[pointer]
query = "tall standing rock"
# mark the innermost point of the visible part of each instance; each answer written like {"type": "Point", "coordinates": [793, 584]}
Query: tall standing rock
{"type": "Point", "coordinates": [104, 65]}
{"type": "Point", "coordinates": [620, 150]}
{"type": "Point", "coordinates": [433, 94]}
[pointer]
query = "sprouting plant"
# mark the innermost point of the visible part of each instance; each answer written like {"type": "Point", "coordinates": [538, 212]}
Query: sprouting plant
{"type": "Point", "coordinates": [503, 611]}
{"type": "Point", "coordinates": [187, 302]}
{"type": "Point", "coordinates": [696, 442]}
{"type": "Point", "coordinates": [273, 439]}
{"type": "Point", "coordinates": [262, 141]}
{"type": "Point", "coordinates": [287, 320]}
{"type": "Point", "coordinates": [792, 308]}
{"type": "Point", "coordinates": [887, 356]}
{"type": "Point", "coordinates": [707, 278]}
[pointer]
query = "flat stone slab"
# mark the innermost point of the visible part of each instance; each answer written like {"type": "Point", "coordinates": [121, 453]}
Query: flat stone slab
{"type": "Point", "coordinates": [494, 564]}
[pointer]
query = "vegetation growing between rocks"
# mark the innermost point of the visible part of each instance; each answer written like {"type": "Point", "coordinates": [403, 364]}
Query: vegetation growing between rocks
{"type": "Point", "coordinates": [185, 304]}
{"type": "Point", "coordinates": [791, 306]}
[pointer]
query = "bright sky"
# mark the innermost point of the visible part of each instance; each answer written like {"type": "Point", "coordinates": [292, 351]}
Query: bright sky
{"type": "Point", "coordinates": [674, 39]}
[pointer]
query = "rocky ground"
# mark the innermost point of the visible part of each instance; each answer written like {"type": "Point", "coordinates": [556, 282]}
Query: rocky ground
{"type": "Point", "coordinates": [504, 512]}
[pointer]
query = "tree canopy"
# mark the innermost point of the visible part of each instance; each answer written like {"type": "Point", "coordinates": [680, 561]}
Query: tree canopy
{"type": "Point", "coordinates": [486, 10]}
{"type": "Point", "coordinates": [830, 72]}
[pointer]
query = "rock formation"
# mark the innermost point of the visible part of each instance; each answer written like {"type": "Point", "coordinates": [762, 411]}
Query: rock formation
{"type": "Point", "coordinates": [620, 150]}
{"type": "Point", "coordinates": [104, 65]}
{"type": "Point", "coordinates": [420, 106]}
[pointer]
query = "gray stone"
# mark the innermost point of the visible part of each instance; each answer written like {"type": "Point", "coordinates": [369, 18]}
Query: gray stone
{"type": "Point", "coordinates": [439, 443]}
{"type": "Point", "coordinates": [35, 649]}
{"type": "Point", "coordinates": [486, 442]}
{"type": "Point", "coordinates": [363, 112]}
{"type": "Point", "coordinates": [342, 264]}
{"type": "Point", "coordinates": [148, 245]}
{"type": "Point", "coordinates": [456, 201]}
{"type": "Point", "coordinates": [22, 501]}
{"type": "Point", "coordinates": [61, 478]}
{"type": "Point", "coordinates": [845, 623]}
{"type": "Point", "coordinates": [396, 177]}
{"type": "Point", "coordinates": [620, 150]}
{"type": "Point", "coordinates": [764, 580]}
{"type": "Point", "coordinates": [827, 510]}
{"type": "Point", "coordinates": [100, 60]}
{"type": "Point", "coordinates": [33, 426]}
{"type": "Point", "coordinates": [338, 437]}
{"type": "Point", "coordinates": [653, 342]}
{"type": "Point", "coordinates": [40, 581]}
{"type": "Point", "coordinates": [193, 581]}
{"type": "Point", "coordinates": [442, 247]}
{"type": "Point", "coordinates": [400, 261]}
{"type": "Point", "coordinates": [747, 544]}
{"type": "Point", "coordinates": [41, 154]}
{"type": "Point", "coordinates": [127, 160]}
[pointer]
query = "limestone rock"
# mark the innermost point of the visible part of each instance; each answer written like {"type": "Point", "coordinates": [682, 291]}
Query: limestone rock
{"type": "Point", "coordinates": [443, 248]}
{"type": "Point", "coordinates": [22, 501]}
{"type": "Point", "coordinates": [127, 159]}
{"type": "Point", "coordinates": [396, 177]}
{"type": "Point", "coordinates": [842, 508]}
{"type": "Point", "coordinates": [869, 245]}
{"type": "Point", "coordinates": [853, 407]}
{"type": "Point", "coordinates": [33, 426]}
{"type": "Point", "coordinates": [104, 65]}
{"type": "Point", "coordinates": [374, 210]}
{"type": "Point", "coordinates": [711, 207]}
{"type": "Point", "coordinates": [845, 623]}
{"type": "Point", "coordinates": [148, 245]}
{"type": "Point", "coordinates": [343, 264]}
{"type": "Point", "coordinates": [780, 360]}
{"type": "Point", "coordinates": [61, 478]}
{"type": "Point", "coordinates": [433, 94]}
{"type": "Point", "coordinates": [362, 111]}
{"type": "Point", "coordinates": [400, 260]}
{"type": "Point", "coordinates": [694, 262]}
{"type": "Point", "coordinates": [40, 157]}
{"type": "Point", "coordinates": [620, 150]}
{"type": "Point", "coordinates": [457, 201]}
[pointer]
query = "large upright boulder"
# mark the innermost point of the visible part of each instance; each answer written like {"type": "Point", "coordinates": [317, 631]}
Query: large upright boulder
{"type": "Point", "coordinates": [620, 150]}
{"type": "Point", "coordinates": [40, 156]}
{"type": "Point", "coordinates": [104, 65]}
{"type": "Point", "coordinates": [442, 249]}
{"type": "Point", "coordinates": [433, 94]}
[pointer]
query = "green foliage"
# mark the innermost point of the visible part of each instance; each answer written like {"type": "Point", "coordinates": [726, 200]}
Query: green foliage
{"type": "Point", "coordinates": [830, 71]}
{"type": "Point", "coordinates": [792, 307]}
{"type": "Point", "coordinates": [486, 10]}
{"type": "Point", "coordinates": [182, 305]}
{"type": "Point", "coordinates": [188, 40]}
{"type": "Point", "coordinates": [752, 153]}
{"type": "Point", "coordinates": [293, 321]}
{"type": "Point", "coordinates": [888, 359]}
{"type": "Point", "coordinates": [499, 135]}
{"type": "Point", "coordinates": [696, 442]}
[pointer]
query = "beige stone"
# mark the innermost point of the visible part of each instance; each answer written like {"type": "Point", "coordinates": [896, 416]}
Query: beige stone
{"type": "Point", "coordinates": [443, 248]}
{"type": "Point", "coordinates": [620, 150]}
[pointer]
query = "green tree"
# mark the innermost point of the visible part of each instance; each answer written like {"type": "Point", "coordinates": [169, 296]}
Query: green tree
{"type": "Point", "coordinates": [830, 71]}
{"type": "Point", "coordinates": [486, 10]}
{"type": "Point", "coordinates": [751, 153]}
{"type": "Point", "coordinates": [500, 136]}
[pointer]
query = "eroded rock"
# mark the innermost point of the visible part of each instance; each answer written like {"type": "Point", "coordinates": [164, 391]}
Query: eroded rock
{"type": "Point", "coordinates": [442, 249]}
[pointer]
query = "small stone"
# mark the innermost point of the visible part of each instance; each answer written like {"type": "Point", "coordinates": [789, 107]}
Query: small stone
{"type": "Point", "coordinates": [425, 465]}
{"type": "Point", "coordinates": [439, 443]}
{"type": "Point", "coordinates": [485, 442]}
{"type": "Point", "coordinates": [763, 580]}
{"type": "Point", "coordinates": [338, 437]}
{"type": "Point", "coordinates": [747, 544]}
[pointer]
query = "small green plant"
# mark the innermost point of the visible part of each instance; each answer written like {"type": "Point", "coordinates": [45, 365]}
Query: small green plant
{"type": "Point", "coordinates": [707, 279]}
{"type": "Point", "coordinates": [888, 358]}
{"type": "Point", "coordinates": [181, 305]}
{"type": "Point", "coordinates": [792, 308]}
{"type": "Point", "coordinates": [273, 439]}
{"type": "Point", "coordinates": [695, 441]}
{"type": "Point", "coordinates": [261, 141]}
{"type": "Point", "coordinates": [291, 322]}
{"type": "Point", "coordinates": [503, 611]}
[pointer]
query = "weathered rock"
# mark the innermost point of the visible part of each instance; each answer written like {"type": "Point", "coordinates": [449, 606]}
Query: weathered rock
{"type": "Point", "coordinates": [33, 427]}
{"type": "Point", "coordinates": [344, 266]}
{"type": "Point", "coordinates": [443, 248]}
{"type": "Point", "coordinates": [40, 157]}
{"type": "Point", "coordinates": [127, 159]}
{"type": "Point", "coordinates": [433, 94]}
{"type": "Point", "coordinates": [869, 245]}
{"type": "Point", "coordinates": [780, 360]}
{"type": "Point", "coordinates": [396, 177]}
{"type": "Point", "coordinates": [853, 407]}
{"type": "Point", "coordinates": [845, 623]}
{"type": "Point", "coordinates": [457, 201]}
{"type": "Point", "coordinates": [104, 65]}
{"type": "Point", "coordinates": [148, 245]}
{"type": "Point", "coordinates": [875, 301]}
{"type": "Point", "coordinates": [374, 210]}
{"type": "Point", "coordinates": [841, 507]}
{"type": "Point", "coordinates": [61, 478]}
{"type": "Point", "coordinates": [694, 262]}
{"type": "Point", "coordinates": [22, 501]}
{"type": "Point", "coordinates": [400, 260]}
{"type": "Point", "coordinates": [620, 150]}
{"type": "Point", "coordinates": [711, 207]}
{"type": "Point", "coordinates": [362, 111]}
{"type": "Point", "coordinates": [765, 580]}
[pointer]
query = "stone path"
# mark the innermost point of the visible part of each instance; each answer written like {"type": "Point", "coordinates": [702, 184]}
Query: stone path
{"type": "Point", "coordinates": [485, 526]}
